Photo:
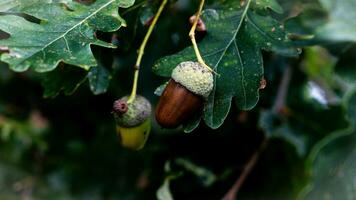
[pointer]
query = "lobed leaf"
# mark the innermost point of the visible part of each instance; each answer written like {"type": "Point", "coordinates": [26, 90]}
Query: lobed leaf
{"type": "Point", "coordinates": [232, 47]}
{"type": "Point", "coordinates": [66, 78]}
{"type": "Point", "coordinates": [64, 34]}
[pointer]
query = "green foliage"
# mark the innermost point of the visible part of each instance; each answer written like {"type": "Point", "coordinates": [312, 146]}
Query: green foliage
{"type": "Point", "coordinates": [272, 4]}
{"type": "Point", "coordinates": [65, 33]}
{"type": "Point", "coordinates": [66, 78]}
{"type": "Point", "coordinates": [7, 5]}
{"type": "Point", "coordinates": [99, 79]}
{"type": "Point", "coordinates": [232, 47]}
{"type": "Point", "coordinates": [334, 161]}
{"type": "Point", "coordinates": [341, 22]}
{"type": "Point", "coordinates": [301, 124]}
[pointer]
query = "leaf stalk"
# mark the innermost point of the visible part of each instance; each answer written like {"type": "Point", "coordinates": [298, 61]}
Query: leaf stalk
{"type": "Point", "coordinates": [192, 37]}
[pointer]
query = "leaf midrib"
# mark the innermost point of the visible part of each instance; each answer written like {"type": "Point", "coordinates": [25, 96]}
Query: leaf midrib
{"type": "Point", "coordinates": [235, 33]}
{"type": "Point", "coordinates": [227, 47]}
{"type": "Point", "coordinates": [66, 32]}
{"type": "Point", "coordinates": [78, 24]}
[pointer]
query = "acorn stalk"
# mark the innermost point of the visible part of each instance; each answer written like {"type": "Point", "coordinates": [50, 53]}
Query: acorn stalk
{"type": "Point", "coordinates": [185, 94]}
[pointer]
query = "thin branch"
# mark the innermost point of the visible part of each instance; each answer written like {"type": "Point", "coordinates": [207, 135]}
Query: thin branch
{"type": "Point", "coordinates": [278, 105]}
{"type": "Point", "coordinates": [280, 101]}
{"type": "Point", "coordinates": [232, 193]}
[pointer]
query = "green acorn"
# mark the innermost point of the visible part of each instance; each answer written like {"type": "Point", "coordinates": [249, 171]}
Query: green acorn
{"type": "Point", "coordinates": [133, 122]}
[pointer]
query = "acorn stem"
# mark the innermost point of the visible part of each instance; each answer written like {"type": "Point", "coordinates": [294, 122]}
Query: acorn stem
{"type": "Point", "coordinates": [141, 51]}
{"type": "Point", "coordinates": [194, 42]}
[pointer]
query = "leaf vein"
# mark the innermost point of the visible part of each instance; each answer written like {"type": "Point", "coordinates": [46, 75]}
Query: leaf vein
{"type": "Point", "coordinates": [242, 73]}
{"type": "Point", "coordinates": [259, 29]}
{"type": "Point", "coordinates": [79, 23]}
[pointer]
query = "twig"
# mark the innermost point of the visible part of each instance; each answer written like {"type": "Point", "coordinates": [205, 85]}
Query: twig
{"type": "Point", "coordinates": [280, 101]}
{"type": "Point", "coordinates": [278, 105]}
{"type": "Point", "coordinates": [231, 194]}
{"type": "Point", "coordinates": [141, 51]}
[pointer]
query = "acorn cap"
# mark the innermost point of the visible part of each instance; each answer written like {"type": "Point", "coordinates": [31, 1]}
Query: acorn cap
{"type": "Point", "coordinates": [135, 114]}
{"type": "Point", "coordinates": [194, 77]}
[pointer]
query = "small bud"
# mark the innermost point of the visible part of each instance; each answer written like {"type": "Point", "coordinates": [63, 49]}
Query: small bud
{"type": "Point", "coordinates": [149, 21]}
{"type": "Point", "coordinates": [263, 83]}
{"type": "Point", "coordinates": [200, 25]}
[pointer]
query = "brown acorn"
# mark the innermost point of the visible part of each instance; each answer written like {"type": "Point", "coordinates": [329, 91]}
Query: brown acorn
{"type": "Point", "coordinates": [184, 95]}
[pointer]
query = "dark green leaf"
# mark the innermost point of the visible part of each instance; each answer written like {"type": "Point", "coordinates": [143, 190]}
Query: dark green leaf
{"type": "Point", "coordinates": [164, 193]}
{"type": "Point", "coordinates": [160, 89]}
{"type": "Point", "coordinates": [232, 48]}
{"type": "Point", "coordinates": [346, 67]}
{"type": "Point", "coordinates": [192, 123]}
{"type": "Point", "coordinates": [99, 79]}
{"type": "Point", "coordinates": [299, 129]}
{"type": "Point", "coordinates": [272, 4]}
{"type": "Point", "coordinates": [334, 166]}
{"type": "Point", "coordinates": [64, 34]}
{"type": "Point", "coordinates": [341, 22]}
{"type": "Point", "coordinates": [6, 5]}
{"type": "Point", "coordinates": [65, 78]}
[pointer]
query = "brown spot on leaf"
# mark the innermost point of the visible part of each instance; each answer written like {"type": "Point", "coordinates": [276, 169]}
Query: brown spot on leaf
{"type": "Point", "coordinates": [263, 83]}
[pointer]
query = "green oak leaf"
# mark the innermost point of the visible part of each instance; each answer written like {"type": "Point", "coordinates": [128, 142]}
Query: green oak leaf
{"type": "Point", "coordinates": [334, 161]}
{"type": "Point", "coordinates": [69, 79]}
{"type": "Point", "coordinates": [299, 131]}
{"type": "Point", "coordinates": [99, 79]}
{"type": "Point", "coordinates": [346, 68]}
{"type": "Point", "coordinates": [14, 6]}
{"type": "Point", "coordinates": [66, 78]}
{"type": "Point", "coordinates": [335, 170]}
{"type": "Point", "coordinates": [6, 5]}
{"type": "Point", "coordinates": [192, 124]}
{"type": "Point", "coordinates": [232, 47]}
{"type": "Point", "coordinates": [341, 22]}
{"type": "Point", "coordinates": [65, 33]}
{"type": "Point", "coordinates": [160, 89]}
{"type": "Point", "coordinates": [271, 4]}
{"type": "Point", "coordinates": [164, 193]}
